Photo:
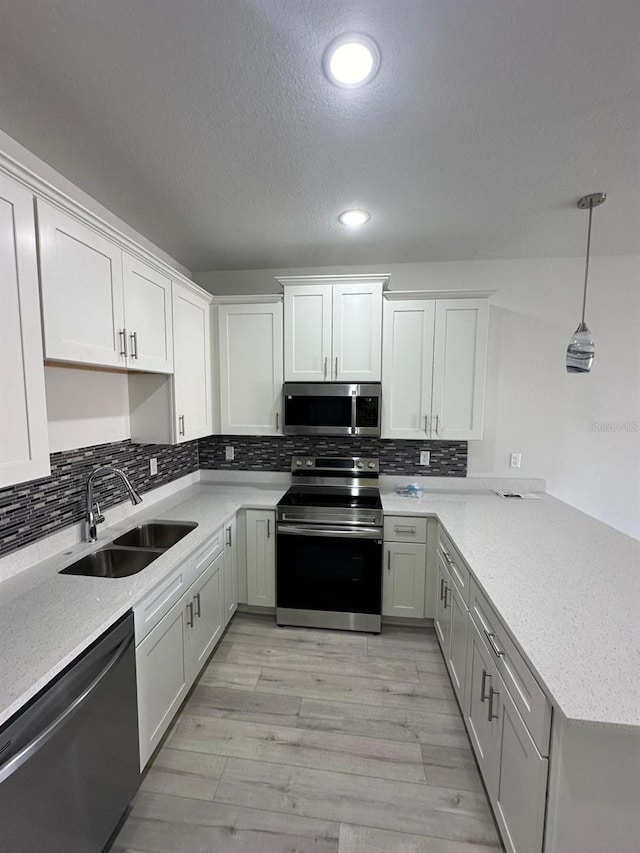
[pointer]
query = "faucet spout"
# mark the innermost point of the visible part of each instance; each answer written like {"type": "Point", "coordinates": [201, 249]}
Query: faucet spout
{"type": "Point", "coordinates": [93, 516]}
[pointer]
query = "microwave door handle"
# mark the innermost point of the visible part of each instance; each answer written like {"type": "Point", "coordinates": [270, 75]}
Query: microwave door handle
{"type": "Point", "coordinates": [354, 409]}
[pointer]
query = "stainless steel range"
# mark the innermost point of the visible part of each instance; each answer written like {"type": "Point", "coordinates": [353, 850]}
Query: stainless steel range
{"type": "Point", "coordinates": [329, 545]}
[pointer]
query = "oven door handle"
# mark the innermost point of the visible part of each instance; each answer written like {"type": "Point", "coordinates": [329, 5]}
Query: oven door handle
{"type": "Point", "coordinates": [346, 532]}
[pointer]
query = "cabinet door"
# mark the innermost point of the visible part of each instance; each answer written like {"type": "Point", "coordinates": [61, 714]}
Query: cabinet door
{"type": "Point", "coordinates": [484, 733]}
{"type": "Point", "coordinates": [81, 282]}
{"type": "Point", "coordinates": [357, 332]}
{"type": "Point", "coordinates": [459, 360]}
{"type": "Point", "coordinates": [147, 316]}
{"type": "Point", "coordinates": [457, 658]}
{"type": "Point", "coordinates": [522, 781]}
{"type": "Point", "coordinates": [24, 442]}
{"type": "Point", "coordinates": [261, 558]}
{"type": "Point", "coordinates": [442, 619]}
{"type": "Point", "coordinates": [404, 578]}
{"type": "Point", "coordinates": [407, 367]}
{"type": "Point", "coordinates": [250, 368]}
{"type": "Point", "coordinates": [307, 333]}
{"type": "Point", "coordinates": [206, 629]}
{"type": "Point", "coordinates": [162, 677]}
{"type": "Point", "coordinates": [230, 583]}
{"type": "Point", "coordinates": [192, 359]}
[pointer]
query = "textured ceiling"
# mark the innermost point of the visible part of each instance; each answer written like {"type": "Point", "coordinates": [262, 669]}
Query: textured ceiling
{"type": "Point", "coordinates": [209, 127]}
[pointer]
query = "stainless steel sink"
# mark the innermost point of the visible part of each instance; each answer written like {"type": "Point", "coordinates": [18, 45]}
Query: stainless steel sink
{"type": "Point", "coordinates": [155, 534]}
{"type": "Point", "coordinates": [112, 563]}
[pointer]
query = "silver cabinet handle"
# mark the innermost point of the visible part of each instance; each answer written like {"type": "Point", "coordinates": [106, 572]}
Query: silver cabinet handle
{"type": "Point", "coordinates": [485, 675]}
{"type": "Point", "coordinates": [448, 558]}
{"type": "Point", "coordinates": [437, 424]}
{"type": "Point", "coordinates": [181, 425]}
{"type": "Point", "coordinates": [336, 367]}
{"type": "Point", "coordinates": [268, 528]}
{"type": "Point", "coordinates": [123, 340]}
{"type": "Point", "coordinates": [426, 424]}
{"type": "Point", "coordinates": [388, 561]}
{"type": "Point", "coordinates": [491, 639]}
{"type": "Point", "coordinates": [441, 588]}
{"type": "Point", "coordinates": [447, 603]}
{"type": "Point", "coordinates": [277, 421]}
{"type": "Point", "coordinates": [325, 366]}
{"type": "Point", "coordinates": [196, 598]}
{"type": "Point", "coordinates": [400, 529]}
{"type": "Point", "coordinates": [490, 715]}
{"type": "Point", "coordinates": [229, 536]}
{"type": "Point", "coordinates": [134, 344]}
{"type": "Point", "coordinates": [190, 614]}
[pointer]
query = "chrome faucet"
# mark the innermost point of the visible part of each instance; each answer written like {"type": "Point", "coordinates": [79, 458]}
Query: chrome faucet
{"type": "Point", "coordinates": [93, 515]}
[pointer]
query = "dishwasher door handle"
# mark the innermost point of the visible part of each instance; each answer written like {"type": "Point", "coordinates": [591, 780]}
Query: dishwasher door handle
{"type": "Point", "coordinates": [10, 767]}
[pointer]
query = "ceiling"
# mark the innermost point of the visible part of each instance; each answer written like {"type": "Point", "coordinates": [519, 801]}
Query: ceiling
{"type": "Point", "coordinates": [209, 127]}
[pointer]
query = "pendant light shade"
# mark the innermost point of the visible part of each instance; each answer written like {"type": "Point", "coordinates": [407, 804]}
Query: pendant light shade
{"type": "Point", "coordinates": [581, 349]}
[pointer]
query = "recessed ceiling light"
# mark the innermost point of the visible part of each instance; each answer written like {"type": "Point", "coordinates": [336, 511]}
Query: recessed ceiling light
{"type": "Point", "coordinates": [351, 60]}
{"type": "Point", "coordinates": [354, 218]}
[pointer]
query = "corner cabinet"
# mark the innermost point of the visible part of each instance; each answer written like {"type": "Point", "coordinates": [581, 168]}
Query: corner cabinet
{"type": "Point", "coordinates": [434, 362]}
{"type": "Point", "coordinates": [332, 330]}
{"type": "Point", "coordinates": [250, 340]}
{"type": "Point", "coordinates": [100, 305]}
{"type": "Point", "coordinates": [178, 408]}
{"type": "Point", "coordinates": [24, 441]}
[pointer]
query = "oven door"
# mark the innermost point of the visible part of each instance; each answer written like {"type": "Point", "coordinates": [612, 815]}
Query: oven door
{"type": "Point", "coordinates": [329, 568]}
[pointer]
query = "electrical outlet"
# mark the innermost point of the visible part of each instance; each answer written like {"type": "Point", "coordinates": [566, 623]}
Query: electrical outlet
{"type": "Point", "coordinates": [153, 466]}
{"type": "Point", "coordinates": [425, 457]}
{"type": "Point", "coordinates": [515, 460]}
{"type": "Point", "coordinates": [229, 453]}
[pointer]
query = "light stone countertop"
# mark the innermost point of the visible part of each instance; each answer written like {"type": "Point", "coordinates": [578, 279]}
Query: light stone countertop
{"type": "Point", "coordinates": [566, 585]}
{"type": "Point", "coordinates": [47, 619]}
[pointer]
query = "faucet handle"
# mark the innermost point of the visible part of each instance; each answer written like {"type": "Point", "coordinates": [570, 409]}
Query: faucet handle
{"type": "Point", "coordinates": [98, 517]}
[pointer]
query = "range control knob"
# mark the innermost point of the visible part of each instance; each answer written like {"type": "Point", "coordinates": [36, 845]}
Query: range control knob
{"type": "Point", "coordinates": [309, 463]}
{"type": "Point", "coordinates": [298, 463]}
{"type": "Point", "coordinates": [371, 464]}
{"type": "Point", "coordinates": [359, 464]}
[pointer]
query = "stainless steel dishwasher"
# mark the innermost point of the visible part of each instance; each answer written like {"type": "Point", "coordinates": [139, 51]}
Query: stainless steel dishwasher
{"type": "Point", "coordinates": [69, 760]}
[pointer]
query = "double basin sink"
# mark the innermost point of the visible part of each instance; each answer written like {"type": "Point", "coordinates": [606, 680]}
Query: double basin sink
{"type": "Point", "coordinates": [131, 552]}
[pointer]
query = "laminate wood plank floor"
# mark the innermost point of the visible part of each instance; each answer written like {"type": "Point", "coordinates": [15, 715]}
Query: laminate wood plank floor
{"type": "Point", "coordinates": [305, 741]}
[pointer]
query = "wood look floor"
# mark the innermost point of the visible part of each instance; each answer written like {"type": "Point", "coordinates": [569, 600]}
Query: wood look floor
{"type": "Point", "coordinates": [301, 741]}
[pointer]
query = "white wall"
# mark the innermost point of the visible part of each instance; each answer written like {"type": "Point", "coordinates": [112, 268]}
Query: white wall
{"type": "Point", "coordinates": [579, 432]}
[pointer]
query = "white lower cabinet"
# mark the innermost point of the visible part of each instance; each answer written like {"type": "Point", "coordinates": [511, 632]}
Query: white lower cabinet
{"type": "Point", "coordinates": [404, 577]}
{"type": "Point", "coordinates": [451, 623]}
{"type": "Point", "coordinates": [230, 580]}
{"type": "Point", "coordinates": [171, 652]}
{"type": "Point", "coordinates": [514, 772]}
{"type": "Point", "coordinates": [162, 674]}
{"type": "Point", "coordinates": [261, 558]}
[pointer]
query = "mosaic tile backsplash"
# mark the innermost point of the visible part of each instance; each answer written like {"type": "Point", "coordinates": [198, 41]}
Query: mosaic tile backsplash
{"type": "Point", "coordinates": [33, 510]}
{"type": "Point", "coordinates": [273, 453]}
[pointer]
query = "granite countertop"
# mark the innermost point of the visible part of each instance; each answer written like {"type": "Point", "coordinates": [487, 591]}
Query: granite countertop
{"type": "Point", "coordinates": [47, 619]}
{"type": "Point", "coordinates": [566, 586]}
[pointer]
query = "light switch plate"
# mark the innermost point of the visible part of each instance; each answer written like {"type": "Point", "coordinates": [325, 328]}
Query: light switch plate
{"type": "Point", "coordinates": [515, 460]}
{"type": "Point", "coordinates": [229, 453]}
{"type": "Point", "coordinates": [153, 466]}
{"type": "Point", "coordinates": [425, 457]}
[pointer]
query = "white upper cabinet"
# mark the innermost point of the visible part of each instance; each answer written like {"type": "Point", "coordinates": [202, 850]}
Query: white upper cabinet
{"type": "Point", "coordinates": [147, 313]}
{"type": "Point", "coordinates": [433, 375]}
{"type": "Point", "coordinates": [459, 363]}
{"type": "Point", "coordinates": [81, 285]}
{"type": "Point", "coordinates": [332, 329]}
{"type": "Point", "coordinates": [24, 443]}
{"type": "Point", "coordinates": [250, 337]}
{"type": "Point", "coordinates": [100, 305]}
{"type": "Point", "coordinates": [193, 411]}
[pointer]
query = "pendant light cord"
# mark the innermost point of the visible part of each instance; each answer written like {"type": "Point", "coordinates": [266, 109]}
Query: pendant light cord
{"type": "Point", "coordinates": [586, 269]}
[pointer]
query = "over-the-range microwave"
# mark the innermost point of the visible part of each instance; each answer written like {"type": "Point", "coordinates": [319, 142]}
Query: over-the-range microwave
{"type": "Point", "coordinates": [331, 408]}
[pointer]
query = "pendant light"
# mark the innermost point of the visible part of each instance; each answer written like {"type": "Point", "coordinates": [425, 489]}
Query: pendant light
{"type": "Point", "coordinates": [581, 349]}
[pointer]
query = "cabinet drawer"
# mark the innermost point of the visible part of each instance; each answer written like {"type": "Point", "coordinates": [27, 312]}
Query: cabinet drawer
{"type": "Point", "coordinates": [457, 569]}
{"type": "Point", "coordinates": [400, 528]}
{"type": "Point", "coordinates": [533, 705]}
{"type": "Point", "coordinates": [206, 555]}
{"type": "Point", "coordinates": [160, 600]}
